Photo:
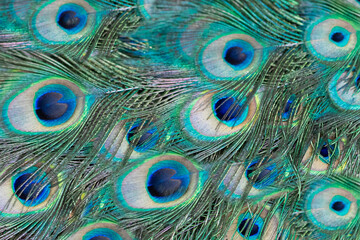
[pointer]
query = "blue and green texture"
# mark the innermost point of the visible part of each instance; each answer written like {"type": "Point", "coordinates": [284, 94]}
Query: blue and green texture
{"type": "Point", "coordinates": [179, 119]}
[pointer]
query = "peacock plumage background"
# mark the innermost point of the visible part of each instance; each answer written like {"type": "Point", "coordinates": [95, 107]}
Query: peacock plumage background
{"type": "Point", "coordinates": [179, 119]}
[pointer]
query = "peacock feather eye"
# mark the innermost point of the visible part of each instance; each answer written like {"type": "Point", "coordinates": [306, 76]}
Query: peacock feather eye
{"type": "Point", "coordinates": [142, 139]}
{"type": "Point", "coordinates": [250, 228]}
{"type": "Point", "coordinates": [64, 21]}
{"type": "Point", "coordinates": [322, 155]}
{"type": "Point", "coordinates": [264, 178]}
{"type": "Point", "coordinates": [101, 230]}
{"type": "Point", "coordinates": [230, 112]}
{"type": "Point", "coordinates": [231, 57]}
{"type": "Point", "coordinates": [46, 106]}
{"type": "Point", "coordinates": [238, 54]}
{"type": "Point", "coordinates": [214, 116]}
{"type": "Point", "coordinates": [344, 92]}
{"type": "Point", "coordinates": [357, 82]}
{"type": "Point", "coordinates": [179, 119]}
{"type": "Point", "coordinates": [167, 181]}
{"type": "Point", "coordinates": [30, 188]}
{"type": "Point", "coordinates": [28, 191]}
{"type": "Point", "coordinates": [54, 104]}
{"type": "Point", "coordinates": [327, 151]}
{"type": "Point", "coordinates": [253, 225]}
{"type": "Point", "coordinates": [291, 111]}
{"type": "Point", "coordinates": [289, 108]}
{"type": "Point", "coordinates": [240, 180]}
{"type": "Point", "coordinates": [340, 205]}
{"type": "Point", "coordinates": [331, 206]}
{"type": "Point", "coordinates": [71, 18]}
{"type": "Point", "coordinates": [331, 38]}
{"type": "Point", "coordinates": [339, 36]}
{"type": "Point", "coordinates": [138, 137]}
{"type": "Point", "coordinates": [159, 182]}
{"type": "Point", "coordinates": [102, 234]}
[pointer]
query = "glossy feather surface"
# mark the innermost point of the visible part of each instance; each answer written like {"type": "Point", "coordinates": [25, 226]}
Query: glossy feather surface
{"type": "Point", "coordinates": [186, 119]}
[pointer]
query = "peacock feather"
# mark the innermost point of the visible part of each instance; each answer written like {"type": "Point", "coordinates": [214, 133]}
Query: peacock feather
{"type": "Point", "coordinates": [186, 119]}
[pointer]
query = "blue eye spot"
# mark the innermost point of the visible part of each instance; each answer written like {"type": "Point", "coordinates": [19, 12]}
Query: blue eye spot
{"type": "Point", "coordinates": [68, 20]}
{"type": "Point", "coordinates": [244, 228]}
{"type": "Point", "coordinates": [235, 56]}
{"type": "Point", "coordinates": [340, 205]}
{"type": "Point", "coordinates": [144, 142]}
{"type": "Point", "coordinates": [340, 36]}
{"type": "Point", "coordinates": [337, 37]}
{"type": "Point", "coordinates": [71, 18]}
{"type": "Point", "coordinates": [54, 104]}
{"type": "Point", "coordinates": [229, 112]}
{"type": "Point", "coordinates": [31, 189]}
{"type": "Point", "coordinates": [102, 234]}
{"type": "Point", "coordinates": [161, 183]}
{"type": "Point", "coordinates": [48, 106]}
{"type": "Point", "coordinates": [327, 152]}
{"type": "Point", "coordinates": [238, 54]}
{"type": "Point", "coordinates": [168, 181]}
{"type": "Point", "coordinates": [263, 179]}
{"type": "Point", "coordinates": [289, 108]}
{"type": "Point", "coordinates": [357, 82]}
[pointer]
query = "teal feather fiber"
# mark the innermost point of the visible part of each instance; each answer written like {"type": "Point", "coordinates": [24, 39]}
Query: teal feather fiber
{"type": "Point", "coordinates": [186, 119]}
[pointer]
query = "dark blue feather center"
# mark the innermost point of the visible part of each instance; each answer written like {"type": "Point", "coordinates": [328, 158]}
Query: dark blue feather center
{"type": "Point", "coordinates": [235, 55]}
{"type": "Point", "coordinates": [263, 178]}
{"type": "Point", "coordinates": [357, 82]}
{"type": "Point", "coordinates": [32, 190]}
{"type": "Point", "coordinates": [289, 108]}
{"type": "Point", "coordinates": [338, 206]}
{"type": "Point", "coordinates": [325, 151]}
{"type": "Point", "coordinates": [227, 110]}
{"type": "Point", "coordinates": [54, 104]}
{"type": "Point", "coordinates": [72, 18]}
{"type": "Point", "coordinates": [167, 181]}
{"type": "Point", "coordinates": [141, 140]}
{"type": "Point", "coordinates": [68, 20]}
{"type": "Point", "coordinates": [48, 106]}
{"type": "Point", "coordinates": [337, 37]}
{"type": "Point", "coordinates": [245, 225]}
{"type": "Point", "coordinates": [161, 183]}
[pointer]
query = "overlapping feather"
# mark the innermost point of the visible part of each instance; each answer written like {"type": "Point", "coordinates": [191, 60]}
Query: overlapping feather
{"type": "Point", "coordinates": [189, 119]}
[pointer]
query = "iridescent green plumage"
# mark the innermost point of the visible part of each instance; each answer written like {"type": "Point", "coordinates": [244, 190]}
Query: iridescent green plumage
{"type": "Point", "coordinates": [197, 119]}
